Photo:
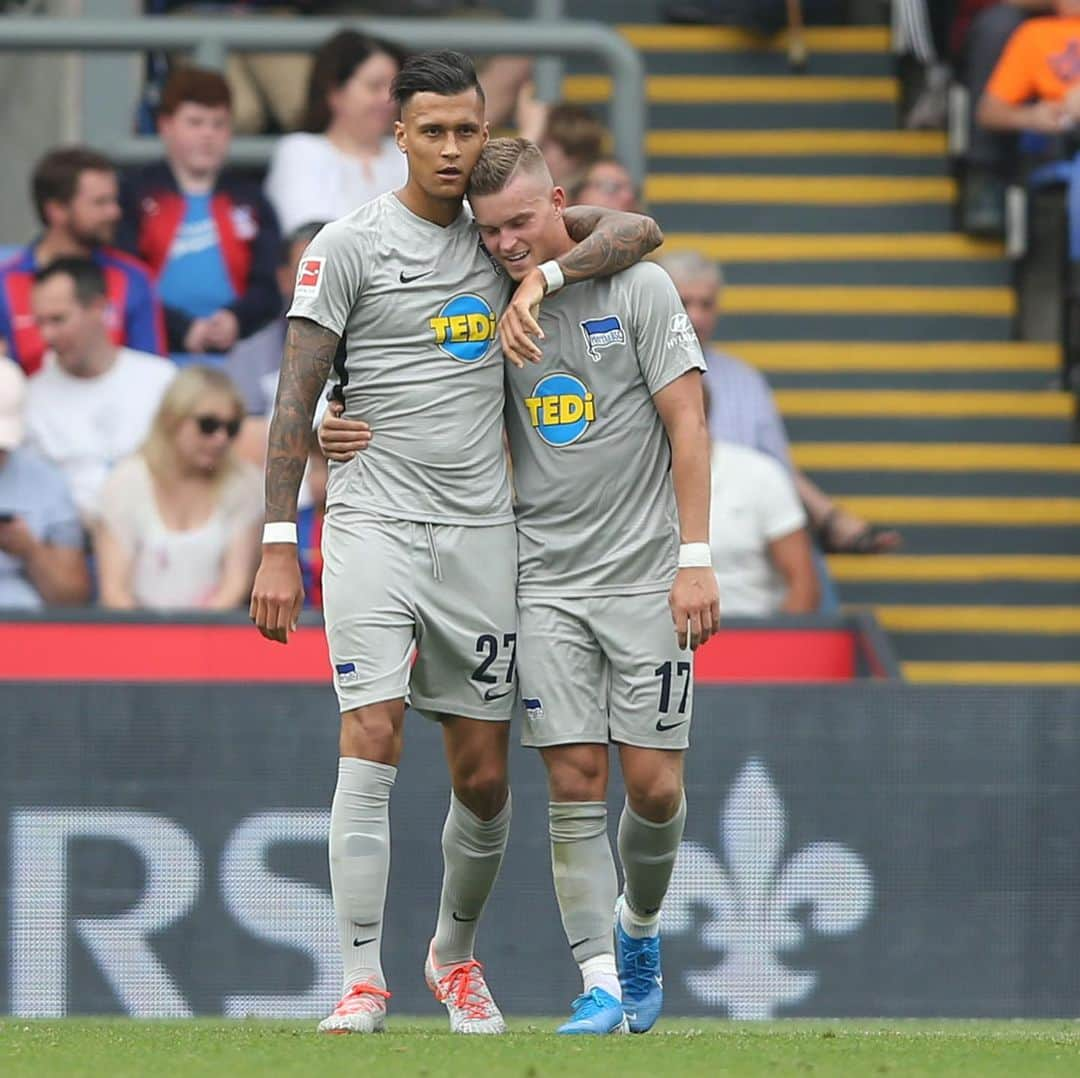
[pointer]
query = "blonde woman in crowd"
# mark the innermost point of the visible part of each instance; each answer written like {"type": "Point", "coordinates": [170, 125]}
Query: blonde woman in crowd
{"type": "Point", "coordinates": [179, 520]}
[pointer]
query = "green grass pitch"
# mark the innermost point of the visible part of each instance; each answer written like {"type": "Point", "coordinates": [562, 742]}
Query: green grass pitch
{"type": "Point", "coordinates": [107, 1048]}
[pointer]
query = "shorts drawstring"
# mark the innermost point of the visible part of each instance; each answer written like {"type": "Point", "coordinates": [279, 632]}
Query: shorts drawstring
{"type": "Point", "coordinates": [435, 566]}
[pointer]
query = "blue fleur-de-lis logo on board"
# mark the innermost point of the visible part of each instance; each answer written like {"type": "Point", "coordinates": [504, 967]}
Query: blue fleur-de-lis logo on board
{"type": "Point", "coordinates": [754, 898]}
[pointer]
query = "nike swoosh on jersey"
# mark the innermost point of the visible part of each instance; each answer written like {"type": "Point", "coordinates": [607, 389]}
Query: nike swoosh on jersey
{"type": "Point", "coordinates": [415, 277]}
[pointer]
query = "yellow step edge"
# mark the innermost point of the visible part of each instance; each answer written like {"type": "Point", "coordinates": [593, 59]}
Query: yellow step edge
{"type": "Point", "coordinates": [738, 89]}
{"type": "Point", "coordinates": [795, 142]}
{"type": "Point", "coordinates": [930, 457]}
{"type": "Point", "coordinates": [889, 403]}
{"type": "Point", "coordinates": [650, 38]}
{"type": "Point", "coordinates": [966, 512]}
{"type": "Point", "coordinates": [1040, 620]}
{"type": "Point", "coordinates": [992, 673]}
{"type": "Point", "coordinates": [874, 356]}
{"type": "Point", "coordinates": [955, 568]}
{"type": "Point", "coordinates": [829, 247]}
{"type": "Point", "coordinates": [849, 299]}
{"type": "Point", "coordinates": [800, 190]}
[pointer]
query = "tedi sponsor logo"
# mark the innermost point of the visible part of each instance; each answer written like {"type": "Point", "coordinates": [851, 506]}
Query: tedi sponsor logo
{"type": "Point", "coordinates": [759, 905]}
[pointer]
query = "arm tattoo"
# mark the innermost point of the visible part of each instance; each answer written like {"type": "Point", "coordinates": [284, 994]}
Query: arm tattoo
{"type": "Point", "coordinates": [607, 241]}
{"type": "Point", "coordinates": [305, 366]}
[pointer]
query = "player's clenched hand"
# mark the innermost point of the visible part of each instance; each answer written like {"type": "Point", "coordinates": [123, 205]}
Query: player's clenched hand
{"type": "Point", "coordinates": [340, 438]}
{"type": "Point", "coordinates": [278, 595]}
{"type": "Point", "coordinates": [695, 606]}
{"type": "Point", "coordinates": [518, 328]}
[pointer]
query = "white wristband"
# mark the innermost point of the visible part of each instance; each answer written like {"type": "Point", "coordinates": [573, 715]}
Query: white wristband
{"type": "Point", "coordinates": [695, 556]}
{"type": "Point", "coordinates": [280, 531]}
{"type": "Point", "coordinates": [553, 275]}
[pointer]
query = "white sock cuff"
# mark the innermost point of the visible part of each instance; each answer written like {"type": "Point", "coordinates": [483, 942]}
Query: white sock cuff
{"type": "Point", "coordinates": [365, 776]}
{"type": "Point", "coordinates": [679, 814]}
{"type": "Point", "coordinates": [576, 821]}
{"type": "Point", "coordinates": [497, 822]}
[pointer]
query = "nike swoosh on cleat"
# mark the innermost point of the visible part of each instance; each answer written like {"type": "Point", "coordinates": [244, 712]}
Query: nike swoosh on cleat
{"type": "Point", "coordinates": [415, 277]}
{"type": "Point", "coordinates": [463, 920]}
{"type": "Point", "coordinates": [661, 726]}
{"type": "Point", "coordinates": [360, 943]}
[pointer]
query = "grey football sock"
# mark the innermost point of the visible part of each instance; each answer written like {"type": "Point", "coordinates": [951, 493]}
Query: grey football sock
{"type": "Point", "coordinates": [472, 853]}
{"type": "Point", "coordinates": [647, 851]}
{"type": "Point", "coordinates": [584, 871]}
{"type": "Point", "coordinates": [360, 864]}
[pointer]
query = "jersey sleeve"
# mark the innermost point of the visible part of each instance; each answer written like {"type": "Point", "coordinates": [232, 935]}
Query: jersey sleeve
{"type": "Point", "coordinates": [664, 339]}
{"type": "Point", "coordinates": [1013, 79]}
{"type": "Point", "coordinates": [329, 279]}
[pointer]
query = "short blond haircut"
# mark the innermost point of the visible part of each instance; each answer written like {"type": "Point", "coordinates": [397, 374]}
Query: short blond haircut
{"type": "Point", "coordinates": [181, 400]}
{"type": "Point", "coordinates": [501, 160]}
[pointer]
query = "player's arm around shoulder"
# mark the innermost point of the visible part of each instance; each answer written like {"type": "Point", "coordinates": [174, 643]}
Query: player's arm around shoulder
{"type": "Point", "coordinates": [607, 242]}
{"type": "Point", "coordinates": [694, 597]}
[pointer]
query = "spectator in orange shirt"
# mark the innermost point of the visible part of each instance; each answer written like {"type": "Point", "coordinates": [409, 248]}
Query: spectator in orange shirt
{"type": "Point", "coordinates": [1036, 84]}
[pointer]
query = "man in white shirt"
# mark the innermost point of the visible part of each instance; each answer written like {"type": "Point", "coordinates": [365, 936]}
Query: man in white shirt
{"type": "Point", "coordinates": [92, 403]}
{"type": "Point", "coordinates": [757, 529]}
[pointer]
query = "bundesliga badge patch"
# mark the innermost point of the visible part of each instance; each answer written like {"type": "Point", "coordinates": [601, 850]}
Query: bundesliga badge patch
{"type": "Point", "coordinates": [309, 277]}
{"type": "Point", "coordinates": [602, 333]}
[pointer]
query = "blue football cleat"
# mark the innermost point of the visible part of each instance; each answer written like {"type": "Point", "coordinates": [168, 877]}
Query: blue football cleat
{"type": "Point", "coordinates": [596, 1012]}
{"type": "Point", "coordinates": [639, 974]}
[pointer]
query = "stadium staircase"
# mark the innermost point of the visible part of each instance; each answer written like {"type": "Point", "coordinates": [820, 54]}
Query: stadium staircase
{"type": "Point", "coordinates": [887, 337]}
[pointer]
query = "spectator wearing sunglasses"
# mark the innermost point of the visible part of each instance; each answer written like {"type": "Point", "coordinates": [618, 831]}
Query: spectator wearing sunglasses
{"type": "Point", "coordinates": [91, 403]}
{"type": "Point", "coordinates": [180, 520]}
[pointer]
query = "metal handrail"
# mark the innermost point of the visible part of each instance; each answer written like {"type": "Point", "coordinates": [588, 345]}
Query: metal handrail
{"type": "Point", "coordinates": [211, 39]}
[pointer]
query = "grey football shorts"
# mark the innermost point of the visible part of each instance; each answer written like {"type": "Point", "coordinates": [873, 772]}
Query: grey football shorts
{"type": "Point", "coordinates": [603, 668]}
{"type": "Point", "coordinates": [442, 594]}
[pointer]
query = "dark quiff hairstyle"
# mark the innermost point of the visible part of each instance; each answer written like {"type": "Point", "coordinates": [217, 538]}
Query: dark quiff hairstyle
{"type": "Point", "coordinates": [441, 71]}
{"type": "Point", "coordinates": [87, 276]}
{"type": "Point", "coordinates": [194, 86]}
{"type": "Point", "coordinates": [56, 175]}
{"type": "Point", "coordinates": [335, 63]}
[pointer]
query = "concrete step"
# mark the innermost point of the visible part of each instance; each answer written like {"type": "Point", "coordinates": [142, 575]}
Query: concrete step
{"type": "Point", "coordinates": [681, 215]}
{"type": "Point", "coordinates": [948, 273]}
{"type": "Point", "coordinates": [859, 327]}
{"type": "Point", "coordinates": [890, 403]}
{"type": "Point", "coordinates": [903, 457]}
{"type": "Point", "coordinates": [857, 482]}
{"type": "Point", "coordinates": [809, 357]}
{"type": "Point", "coordinates": [938, 540]}
{"type": "Point", "coordinates": [981, 647]}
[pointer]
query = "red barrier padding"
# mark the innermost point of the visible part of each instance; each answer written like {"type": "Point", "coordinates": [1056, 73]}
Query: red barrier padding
{"type": "Point", "coordinates": [105, 651]}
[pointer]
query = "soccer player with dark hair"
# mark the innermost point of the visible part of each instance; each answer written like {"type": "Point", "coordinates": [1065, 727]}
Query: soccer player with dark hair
{"type": "Point", "coordinates": [76, 197]}
{"type": "Point", "coordinates": [419, 541]}
{"type": "Point", "coordinates": [615, 589]}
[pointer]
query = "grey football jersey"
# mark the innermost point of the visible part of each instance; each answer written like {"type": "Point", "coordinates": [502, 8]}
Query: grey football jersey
{"type": "Point", "coordinates": [592, 465]}
{"type": "Point", "coordinates": [417, 306]}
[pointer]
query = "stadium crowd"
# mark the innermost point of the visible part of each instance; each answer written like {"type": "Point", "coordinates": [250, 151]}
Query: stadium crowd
{"type": "Point", "coordinates": [1019, 61]}
{"type": "Point", "coordinates": [143, 329]}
